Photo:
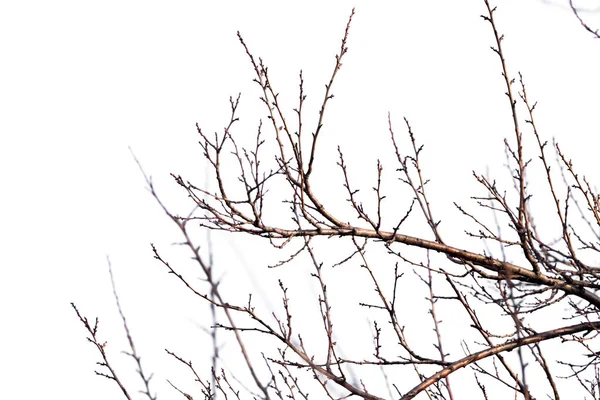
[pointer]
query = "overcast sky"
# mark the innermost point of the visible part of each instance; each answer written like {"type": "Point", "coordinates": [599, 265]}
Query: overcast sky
{"type": "Point", "coordinates": [83, 82]}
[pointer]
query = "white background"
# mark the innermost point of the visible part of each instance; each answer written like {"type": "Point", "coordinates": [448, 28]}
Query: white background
{"type": "Point", "coordinates": [82, 82]}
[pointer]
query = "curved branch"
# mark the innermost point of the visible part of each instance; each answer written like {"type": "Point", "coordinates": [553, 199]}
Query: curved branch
{"type": "Point", "coordinates": [508, 346]}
